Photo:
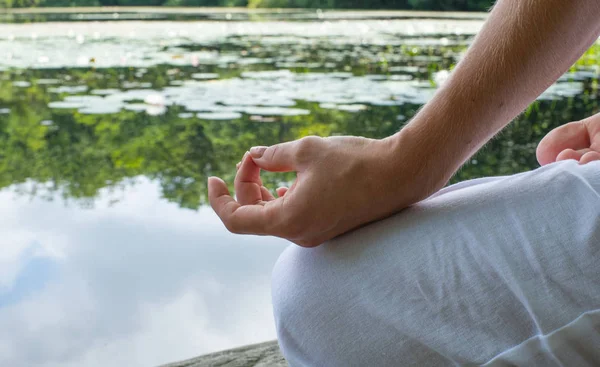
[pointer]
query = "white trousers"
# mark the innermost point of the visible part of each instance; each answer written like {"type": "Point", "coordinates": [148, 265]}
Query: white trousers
{"type": "Point", "coordinates": [496, 272]}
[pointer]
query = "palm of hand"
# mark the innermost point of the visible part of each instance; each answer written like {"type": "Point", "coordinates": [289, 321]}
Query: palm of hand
{"type": "Point", "coordinates": [579, 140]}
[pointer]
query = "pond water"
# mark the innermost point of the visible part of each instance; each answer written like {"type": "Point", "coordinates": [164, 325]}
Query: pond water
{"type": "Point", "coordinates": [109, 127]}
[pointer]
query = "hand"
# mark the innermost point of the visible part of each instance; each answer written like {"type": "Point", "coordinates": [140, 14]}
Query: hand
{"type": "Point", "coordinates": [579, 140]}
{"type": "Point", "coordinates": [342, 183]}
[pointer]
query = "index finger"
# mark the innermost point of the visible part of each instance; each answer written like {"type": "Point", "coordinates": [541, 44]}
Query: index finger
{"type": "Point", "coordinates": [247, 219]}
{"type": "Point", "coordinates": [247, 183]}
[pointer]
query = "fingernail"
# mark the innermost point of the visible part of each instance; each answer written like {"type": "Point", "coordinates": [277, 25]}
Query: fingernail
{"type": "Point", "coordinates": [257, 152]}
{"type": "Point", "coordinates": [237, 166]}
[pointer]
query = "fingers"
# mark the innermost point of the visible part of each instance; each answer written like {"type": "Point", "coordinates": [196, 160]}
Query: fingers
{"type": "Point", "coordinates": [583, 156]}
{"type": "Point", "coordinates": [593, 126]}
{"type": "Point", "coordinates": [248, 185]}
{"type": "Point", "coordinates": [266, 194]}
{"type": "Point", "coordinates": [247, 180]}
{"type": "Point", "coordinates": [572, 136]}
{"type": "Point", "coordinates": [254, 219]}
{"type": "Point", "coordinates": [219, 197]}
{"type": "Point", "coordinates": [571, 154]}
{"type": "Point", "coordinates": [276, 158]}
{"type": "Point", "coordinates": [281, 191]}
{"type": "Point", "coordinates": [590, 157]}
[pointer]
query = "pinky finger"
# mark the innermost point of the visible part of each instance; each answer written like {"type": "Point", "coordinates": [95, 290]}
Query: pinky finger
{"type": "Point", "coordinates": [589, 157]}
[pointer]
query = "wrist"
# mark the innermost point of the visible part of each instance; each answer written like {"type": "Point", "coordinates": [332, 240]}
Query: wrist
{"type": "Point", "coordinates": [432, 147]}
{"type": "Point", "coordinates": [413, 170]}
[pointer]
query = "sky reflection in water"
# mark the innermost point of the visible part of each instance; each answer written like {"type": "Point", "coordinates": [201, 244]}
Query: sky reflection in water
{"type": "Point", "coordinates": [108, 131]}
{"type": "Point", "coordinates": [139, 282]}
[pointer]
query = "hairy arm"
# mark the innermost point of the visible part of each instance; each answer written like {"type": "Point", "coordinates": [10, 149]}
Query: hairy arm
{"type": "Point", "coordinates": [345, 182]}
{"type": "Point", "coordinates": [524, 47]}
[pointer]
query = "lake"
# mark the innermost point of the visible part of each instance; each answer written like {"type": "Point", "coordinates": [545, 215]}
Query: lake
{"type": "Point", "coordinates": [111, 122]}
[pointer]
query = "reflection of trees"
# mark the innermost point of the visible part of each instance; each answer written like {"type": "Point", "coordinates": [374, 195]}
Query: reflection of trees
{"type": "Point", "coordinates": [480, 5]}
{"type": "Point", "coordinates": [78, 155]}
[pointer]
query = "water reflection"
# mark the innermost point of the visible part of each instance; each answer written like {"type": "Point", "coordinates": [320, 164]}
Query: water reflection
{"type": "Point", "coordinates": [229, 14]}
{"type": "Point", "coordinates": [83, 130]}
{"type": "Point", "coordinates": [108, 132]}
{"type": "Point", "coordinates": [139, 282]}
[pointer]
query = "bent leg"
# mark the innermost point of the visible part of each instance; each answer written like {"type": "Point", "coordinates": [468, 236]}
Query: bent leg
{"type": "Point", "coordinates": [474, 275]}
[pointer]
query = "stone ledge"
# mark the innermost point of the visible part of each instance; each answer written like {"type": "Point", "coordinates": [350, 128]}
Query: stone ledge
{"type": "Point", "coordinates": [257, 355]}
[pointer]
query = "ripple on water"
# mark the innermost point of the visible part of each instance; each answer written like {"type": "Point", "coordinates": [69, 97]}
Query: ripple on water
{"type": "Point", "coordinates": [154, 110]}
{"type": "Point", "coordinates": [259, 94]}
{"type": "Point", "coordinates": [65, 105]}
{"type": "Point", "coordinates": [100, 109]}
{"type": "Point", "coordinates": [276, 111]}
{"type": "Point", "coordinates": [69, 89]}
{"type": "Point", "coordinates": [270, 74]}
{"type": "Point", "coordinates": [219, 115]}
{"type": "Point", "coordinates": [131, 95]}
{"type": "Point", "coordinates": [47, 81]}
{"type": "Point", "coordinates": [315, 43]}
{"type": "Point", "coordinates": [21, 84]}
{"type": "Point", "coordinates": [84, 99]}
{"type": "Point", "coordinates": [137, 107]}
{"type": "Point", "coordinates": [344, 107]}
{"type": "Point", "coordinates": [129, 85]}
{"type": "Point", "coordinates": [205, 76]}
{"type": "Point", "coordinates": [105, 92]}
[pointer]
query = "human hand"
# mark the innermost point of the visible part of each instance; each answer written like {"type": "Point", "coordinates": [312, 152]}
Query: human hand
{"type": "Point", "coordinates": [579, 140]}
{"type": "Point", "coordinates": [342, 183]}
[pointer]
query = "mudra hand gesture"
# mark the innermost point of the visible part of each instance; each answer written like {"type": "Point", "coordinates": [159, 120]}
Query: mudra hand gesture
{"type": "Point", "coordinates": [345, 182]}
{"type": "Point", "coordinates": [342, 183]}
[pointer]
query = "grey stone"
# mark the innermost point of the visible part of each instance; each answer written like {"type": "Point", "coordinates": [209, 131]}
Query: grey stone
{"type": "Point", "coordinates": [257, 355]}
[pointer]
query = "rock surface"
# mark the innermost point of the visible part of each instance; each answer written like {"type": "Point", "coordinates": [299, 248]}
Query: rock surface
{"type": "Point", "coordinates": [256, 355]}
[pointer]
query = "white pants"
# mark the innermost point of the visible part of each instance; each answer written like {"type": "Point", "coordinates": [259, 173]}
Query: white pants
{"type": "Point", "coordinates": [496, 272]}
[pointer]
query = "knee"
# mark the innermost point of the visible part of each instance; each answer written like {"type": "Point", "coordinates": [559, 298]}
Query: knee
{"type": "Point", "coordinates": [296, 294]}
{"type": "Point", "coordinates": [290, 283]}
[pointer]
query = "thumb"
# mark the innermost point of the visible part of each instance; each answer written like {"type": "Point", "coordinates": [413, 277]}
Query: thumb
{"type": "Point", "coordinates": [276, 158]}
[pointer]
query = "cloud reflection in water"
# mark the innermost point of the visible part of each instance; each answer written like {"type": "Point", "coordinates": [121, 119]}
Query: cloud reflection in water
{"type": "Point", "coordinates": [140, 282]}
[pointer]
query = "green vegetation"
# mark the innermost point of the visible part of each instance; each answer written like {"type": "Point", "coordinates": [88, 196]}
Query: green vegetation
{"type": "Point", "coordinates": [460, 5]}
{"type": "Point", "coordinates": [589, 59]}
{"type": "Point", "coordinates": [77, 155]}
{"type": "Point", "coordinates": [63, 152]}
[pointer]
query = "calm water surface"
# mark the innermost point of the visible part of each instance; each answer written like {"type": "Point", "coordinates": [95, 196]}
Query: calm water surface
{"type": "Point", "coordinates": [109, 129]}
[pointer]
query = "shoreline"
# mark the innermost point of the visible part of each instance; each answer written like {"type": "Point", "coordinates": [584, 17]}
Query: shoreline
{"type": "Point", "coordinates": [327, 13]}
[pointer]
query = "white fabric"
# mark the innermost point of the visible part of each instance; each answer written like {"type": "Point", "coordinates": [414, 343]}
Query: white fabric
{"type": "Point", "coordinates": [496, 271]}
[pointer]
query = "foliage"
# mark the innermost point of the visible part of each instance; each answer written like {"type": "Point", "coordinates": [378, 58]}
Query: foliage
{"type": "Point", "coordinates": [68, 3]}
{"type": "Point", "coordinates": [206, 3]}
{"type": "Point", "coordinates": [291, 4]}
{"type": "Point", "coordinates": [464, 5]}
{"type": "Point", "coordinates": [47, 151]}
{"type": "Point", "coordinates": [78, 155]}
{"type": "Point", "coordinates": [460, 5]}
{"type": "Point", "coordinates": [19, 3]}
{"type": "Point", "coordinates": [590, 58]}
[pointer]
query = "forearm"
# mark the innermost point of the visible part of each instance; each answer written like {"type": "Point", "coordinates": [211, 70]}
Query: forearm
{"type": "Point", "coordinates": [524, 46]}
